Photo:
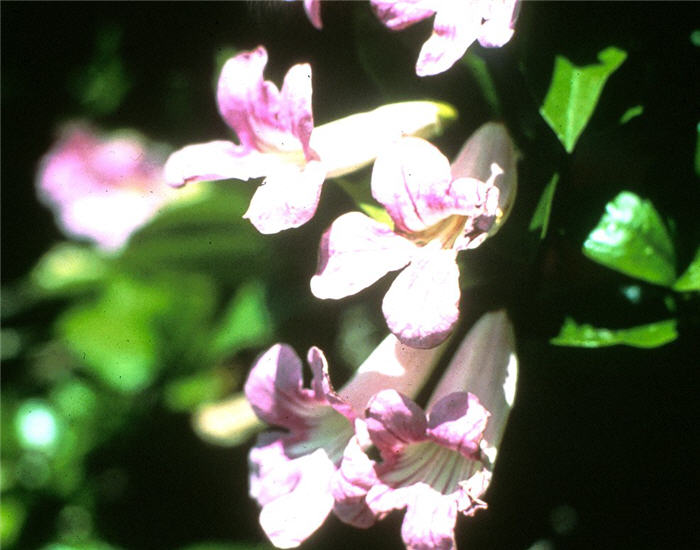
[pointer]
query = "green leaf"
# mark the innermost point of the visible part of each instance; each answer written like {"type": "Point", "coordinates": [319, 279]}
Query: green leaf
{"type": "Point", "coordinates": [574, 93]}
{"type": "Point", "coordinates": [69, 268]}
{"type": "Point", "coordinates": [540, 219]}
{"type": "Point", "coordinates": [103, 84]}
{"type": "Point", "coordinates": [480, 72]}
{"type": "Point", "coordinates": [632, 239]}
{"type": "Point", "coordinates": [114, 336]}
{"type": "Point", "coordinates": [632, 112]}
{"type": "Point", "coordinates": [690, 280]}
{"type": "Point", "coordinates": [246, 322]}
{"type": "Point", "coordinates": [188, 392]}
{"type": "Point", "coordinates": [205, 234]}
{"type": "Point", "coordinates": [643, 336]}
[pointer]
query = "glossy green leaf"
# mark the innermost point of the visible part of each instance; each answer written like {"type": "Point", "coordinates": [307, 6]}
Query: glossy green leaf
{"type": "Point", "coordinates": [540, 219]}
{"type": "Point", "coordinates": [574, 93]}
{"type": "Point", "coordinates": [644, 336]}
{"type": "Point", "coordinates": [690, 279]}
{"type": "Point", "coordinates": [632, 239]}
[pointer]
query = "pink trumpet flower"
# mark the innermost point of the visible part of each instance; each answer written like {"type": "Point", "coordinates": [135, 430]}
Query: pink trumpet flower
{"type": "Point", "coordinates": [278, 141]}
{"type": "Point", "coordinates": [102, 187]}
{"type": "Point", "coordinates": [292, 468]}
{"type": "Point", "coordinates": [457, 24]}
{"type": "Point", "coordinates": [437, 210]}
{"type": "Point", "coordinates": [438, 464]}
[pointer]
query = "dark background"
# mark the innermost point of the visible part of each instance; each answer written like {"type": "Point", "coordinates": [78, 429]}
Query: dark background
{"type": "Point", "coordinates": [605, 438]}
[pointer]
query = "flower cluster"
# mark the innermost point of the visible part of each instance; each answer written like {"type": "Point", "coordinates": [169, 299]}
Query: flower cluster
{"type": "Point", "coordinates": [435, 464]}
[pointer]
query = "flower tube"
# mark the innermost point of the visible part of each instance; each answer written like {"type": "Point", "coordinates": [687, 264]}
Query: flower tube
{"type": "Point", "coordinates": [437, 211]}
{"type": "Point", "coordinates": [292, 468]}
{"type": "Point", "coordinates": [456, 26]}
{"type": "Point", "coordinates": [278, 141]}
{"type": "Point", "coordinates": [438, 464]}
{"type": "Point", "coordinates": [102, 187]}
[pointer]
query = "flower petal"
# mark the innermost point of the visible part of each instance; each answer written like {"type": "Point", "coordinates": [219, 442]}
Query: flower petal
{"type": "Point", "coordinates": [354, 252]}
{"type": "Point", "coordinates": [263, 118]}
{"type": "Point", "coordinates": [456, 26]}
{"type": "Point", "coordinates": [349, 143]}
{"type": "Point", "coordinates": [411, 179]}
{"type": "Point", "coordinates": [393, 421]}
{"type": "Point", "coordinates": [272, 472]}
{"type": "Point", "coordinates": [391, 365]}
{"type": "Point", "coordinates": [287, 198]}
{"type": "Point", "coordinates": [422, 306]}
{"type": "Point", "coordinates": [399, 14]}
{"type": "Point", "coordinates": [457, 421]}
{"type": "Point", "coordinates": [313, 12]}
{"type": "Point", "coordinates": [349, 486]}
{"type": "Point", "coordinates": [216, 160]}
{"type": "Point", "coordinates": [500, 18]}
{"type": "Point", "coordinates": [290, 519]}
{"type": "Point", "coordinates": [295, 107]}
{"type": "Point", "coordinates": [485, 364]}
{"type": "Point", "coordinates": [321, 384]}
{"type": "Point", "coordinates": [490, 144]}
{"type": "Point", "coordinates": [430, 520]}
{"type": "Point", "coordinates": [274, 388]}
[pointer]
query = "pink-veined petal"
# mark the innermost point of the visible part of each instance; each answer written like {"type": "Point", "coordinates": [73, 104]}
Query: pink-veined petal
{"type": "Point", "coordinates": [274, 388]}
{"type": "Point", "coordinates": [354, 252]}
{"type": "Point", "coordinates": [295, 106]}
{"type": "Point", "coordinates": [457, 421]}
{"type": "Point", "coordinates": [485, 364]}
{"type": "Point", "coordinates": [498, 27]}
{"type": "Point", "coordinates": [411, 179]}
{"type": "Point", "coordinates": [313, 12]}
{"type": "Point", "coordinates": [245, 99]}
{"type": "Point", "coordinates": [456, 26]}
{"type": "Point", "coordinates": [393, 421]}
{"type": "Point", "coordinates": [321, 383]}
{"type": "Point", "coordinates": [287, 198]}
{"type": "Point", "coordinates": [399, 14]}
{"type": "Point", "coordinates": [272, 472]}
{"type": "Point", "coordinates": [430, 520]}
{"type": "Point", "coordinates": [263, 118]}
{"type": "Point", "coordinates": [422, 306]}
{"type": "Point", "coordinates": [290, 519]}
{"type": "Point", "coordinates": [349, 486]}
{"type": "Point", "coordinates": [216, 160]}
